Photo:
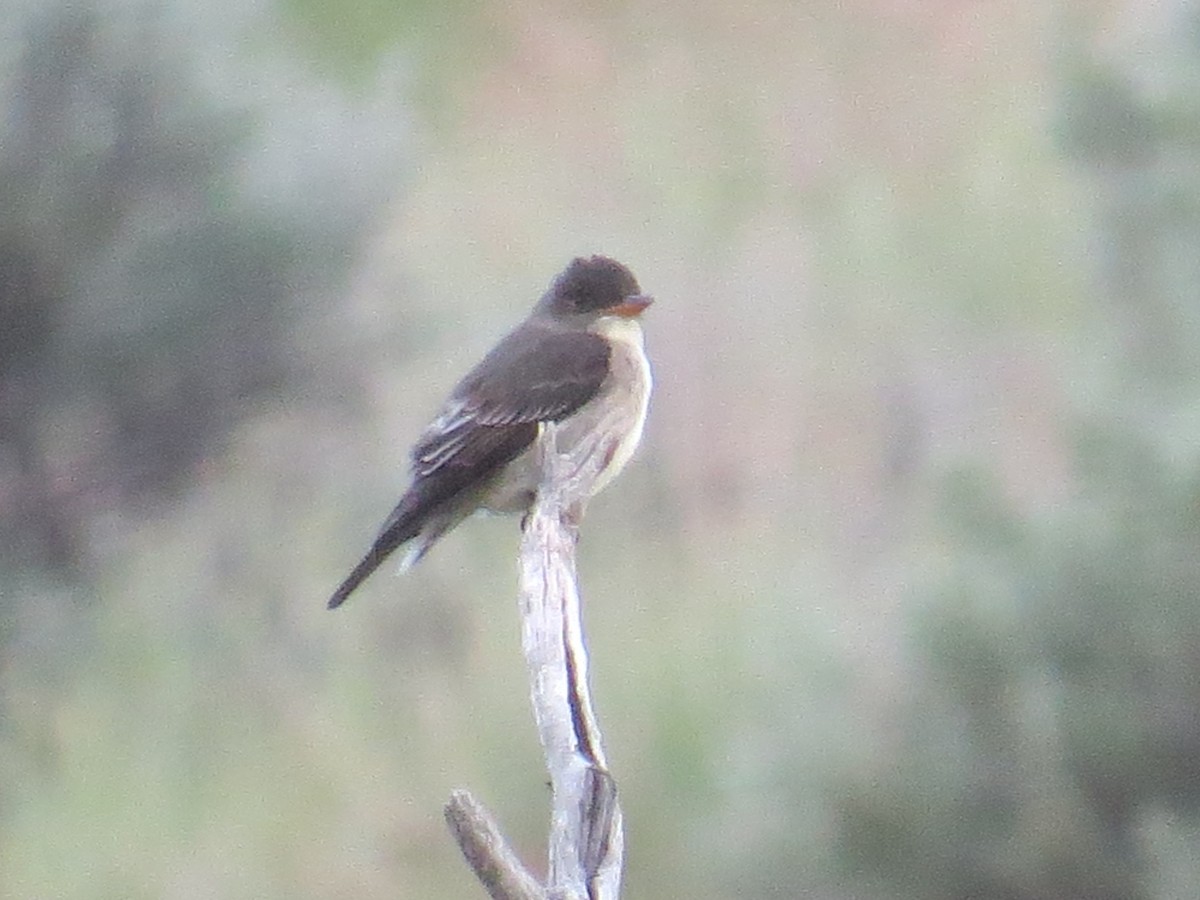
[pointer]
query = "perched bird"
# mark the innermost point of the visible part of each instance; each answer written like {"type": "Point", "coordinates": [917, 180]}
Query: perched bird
{"type": "Point", "coordinates": [577, 360]}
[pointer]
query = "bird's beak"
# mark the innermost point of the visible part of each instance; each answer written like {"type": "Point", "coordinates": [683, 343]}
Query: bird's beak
{"type": "Point", "coordinates": [632, 307]}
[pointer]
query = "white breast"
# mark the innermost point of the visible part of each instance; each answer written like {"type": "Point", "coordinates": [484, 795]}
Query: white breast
{"type": "Point", "coordinates": [625, 395]}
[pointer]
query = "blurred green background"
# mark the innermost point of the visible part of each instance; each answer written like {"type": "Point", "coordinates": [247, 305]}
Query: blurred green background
{"type": "Point", "coordinates": [899, 600]}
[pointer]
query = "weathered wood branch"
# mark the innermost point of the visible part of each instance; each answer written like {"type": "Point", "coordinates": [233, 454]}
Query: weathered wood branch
{"type": "Point", "coordinates": [586, 845]}
{"type": "Point", "coordinates": [495, 864]}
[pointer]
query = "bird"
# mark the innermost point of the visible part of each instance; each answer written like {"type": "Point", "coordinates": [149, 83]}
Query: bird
{"type": "Point", "coordinates": [578, 360]}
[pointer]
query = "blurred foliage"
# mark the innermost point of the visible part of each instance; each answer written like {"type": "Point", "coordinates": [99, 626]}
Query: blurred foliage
{"type": "Point", "coordinates": [151, 284]}
{"type": "Point", "coordinates": [1051, 718]}
{"type": "Point", "coordinates": [1050, 746]}
{"type": "Point", "coordinates": [444, 43]}
{"type": "Point", "coordinates": [147, 295]}
{"type": "Point", "coordinates": [905, 600]}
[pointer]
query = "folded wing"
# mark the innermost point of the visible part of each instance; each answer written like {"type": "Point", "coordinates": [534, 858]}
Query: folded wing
{"type": "Point", "coordinates": [538, 374]}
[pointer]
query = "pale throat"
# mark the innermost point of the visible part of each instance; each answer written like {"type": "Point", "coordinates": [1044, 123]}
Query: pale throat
{"type": "Point", "coordinates": [629, 386]}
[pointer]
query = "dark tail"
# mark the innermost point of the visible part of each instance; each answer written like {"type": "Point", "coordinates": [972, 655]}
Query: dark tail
{"type": "Point", "coordinates": [402, 526]}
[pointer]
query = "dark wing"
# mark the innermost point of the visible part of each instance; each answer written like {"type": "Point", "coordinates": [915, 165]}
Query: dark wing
{"type": "Point", "coordinates": [538, 373]}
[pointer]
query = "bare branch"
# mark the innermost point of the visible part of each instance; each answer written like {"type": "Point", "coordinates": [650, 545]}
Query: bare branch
{"type": "Point", "coordinates": [587, 843]}
{"type": "Point", "coordinates": [488, 854]}
{"type": "Point", "coordinates": [586, 834]}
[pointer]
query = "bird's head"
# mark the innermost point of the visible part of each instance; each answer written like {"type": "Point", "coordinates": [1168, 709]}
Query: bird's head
{"type": "Point", "coordinates": [593, 287]}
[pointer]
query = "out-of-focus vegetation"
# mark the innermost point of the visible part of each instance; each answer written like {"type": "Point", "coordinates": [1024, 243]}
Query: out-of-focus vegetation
{"type": "Point", "coordinates": [900, 599]}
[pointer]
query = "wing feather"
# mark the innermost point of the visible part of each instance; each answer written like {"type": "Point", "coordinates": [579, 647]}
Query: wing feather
{"type": "Point", "coordinates": [538, 373]}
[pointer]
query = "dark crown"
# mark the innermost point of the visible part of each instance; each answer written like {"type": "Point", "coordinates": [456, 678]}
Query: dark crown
{"type": "Point", "coordinates": [591, 285]}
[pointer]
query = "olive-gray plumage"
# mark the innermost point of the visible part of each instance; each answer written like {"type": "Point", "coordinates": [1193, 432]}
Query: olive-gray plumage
{"type": "Point", "coordinates": [577, 360]}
